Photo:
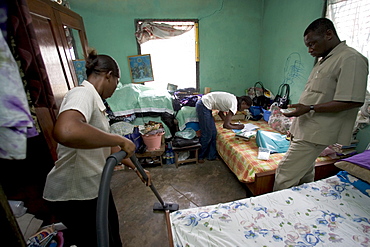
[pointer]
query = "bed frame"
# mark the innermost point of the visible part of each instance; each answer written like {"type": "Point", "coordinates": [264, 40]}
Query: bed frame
{"type": "Point", "coordinates": [264, 181]}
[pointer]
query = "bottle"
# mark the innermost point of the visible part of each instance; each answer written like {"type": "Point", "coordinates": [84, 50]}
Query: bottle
{"type": "Point", "coordinates": [171, 153]}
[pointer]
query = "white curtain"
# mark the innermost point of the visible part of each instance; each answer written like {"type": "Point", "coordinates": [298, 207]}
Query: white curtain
{"type": "Point", "coordinates": [352, 21]}
{"type": "Point", "coordinates": [150, 30]}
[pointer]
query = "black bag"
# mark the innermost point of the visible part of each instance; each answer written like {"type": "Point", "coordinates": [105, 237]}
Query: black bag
{"type": "Point", "coordinates": [261, 100]}
{"type": "Point", "coordinates": [282, 98]}
{"type": "Point", "coordinates": [182, 142]}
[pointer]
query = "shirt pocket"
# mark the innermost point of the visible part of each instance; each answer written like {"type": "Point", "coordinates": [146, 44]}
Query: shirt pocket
{"type": "Point", "coordinates": [323, 84]}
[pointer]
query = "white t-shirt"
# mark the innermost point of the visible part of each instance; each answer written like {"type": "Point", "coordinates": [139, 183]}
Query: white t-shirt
{"type": "Point", "coordinates": [76, 174]}
{"type": "Point", "coordinates": [221, 101]}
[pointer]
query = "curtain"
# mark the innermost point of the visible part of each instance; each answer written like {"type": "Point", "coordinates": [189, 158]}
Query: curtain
{"type": "Point", "coordinates": [150, 31]}
{"type": "Point", "coordinates": [352, 21]}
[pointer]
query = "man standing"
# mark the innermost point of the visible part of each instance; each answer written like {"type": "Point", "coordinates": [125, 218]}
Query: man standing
{"type": "Point", "coordinates": [328, 107]}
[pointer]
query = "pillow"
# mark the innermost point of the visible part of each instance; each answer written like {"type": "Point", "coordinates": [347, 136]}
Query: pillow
{"type": "Point", "coordinates": [358, 183]}
{"type": "Point", "coordinates": [354, 170]}
{"type": "Point", "coordinates": [361, 159]}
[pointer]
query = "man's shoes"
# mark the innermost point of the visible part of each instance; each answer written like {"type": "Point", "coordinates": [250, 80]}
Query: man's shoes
{"type": "Point", "coordinates": [201, 161]}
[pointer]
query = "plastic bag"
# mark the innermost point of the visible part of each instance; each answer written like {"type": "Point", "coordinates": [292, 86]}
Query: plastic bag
{"type": "Point", "coordinates": [275, 142]}
{"type": "Point", "coordinates": [278, 121]}
{"type": "Point", "coordinates": [187, 133]}
{"type": "Point", "coordinates": [137, 139]}
{"type": "Point", "coordinates": [256, 112]}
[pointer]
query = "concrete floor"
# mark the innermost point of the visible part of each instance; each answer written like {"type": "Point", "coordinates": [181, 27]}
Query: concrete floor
{"type": "Point", "coordinates": [189, 185]}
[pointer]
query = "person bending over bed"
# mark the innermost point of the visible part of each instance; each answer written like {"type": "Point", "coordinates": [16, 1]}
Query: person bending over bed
{"type": "Point", "coordinates": [224, 103]}
{"type": "Point", "coordinates": [328, 107]}
{"type": "Point", "coordinates": [84, 143]}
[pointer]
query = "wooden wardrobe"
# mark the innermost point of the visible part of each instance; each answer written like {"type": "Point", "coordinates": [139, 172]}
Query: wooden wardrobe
{"type": "Point", "coordinates": [58, 39]}
{"type": "Point", "coordinates": [61, 40]}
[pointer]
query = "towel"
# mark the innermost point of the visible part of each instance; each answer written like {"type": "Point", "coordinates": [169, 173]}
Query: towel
{"type": "Point", "coordinates": [16, 123]}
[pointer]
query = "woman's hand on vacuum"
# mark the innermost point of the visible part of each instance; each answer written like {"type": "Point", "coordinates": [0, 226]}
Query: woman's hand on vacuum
{"type": "Point", "coordinates": [128, 146]}
{"type": "Point", "coordinates": [149, 181]}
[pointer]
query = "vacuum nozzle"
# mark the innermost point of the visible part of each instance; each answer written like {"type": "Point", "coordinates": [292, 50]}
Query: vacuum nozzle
{"type": "Point", "coordinates": [166, 206]}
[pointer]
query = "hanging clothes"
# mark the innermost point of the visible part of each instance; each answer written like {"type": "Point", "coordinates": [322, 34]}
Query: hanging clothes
{"type": "Point", "coordinates": [16, 123]}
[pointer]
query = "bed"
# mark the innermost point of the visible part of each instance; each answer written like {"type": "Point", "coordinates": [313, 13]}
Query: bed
{"type": "Point", "coordinates": [140, 104]}
{"type": "Point", "coordinates": [329, 212]}
{"type": "Point", "coordinates": [240, 156]}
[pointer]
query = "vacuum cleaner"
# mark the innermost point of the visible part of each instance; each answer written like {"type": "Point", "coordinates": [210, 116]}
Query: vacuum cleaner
{"type": "Point", "coordinates": [103, 198]}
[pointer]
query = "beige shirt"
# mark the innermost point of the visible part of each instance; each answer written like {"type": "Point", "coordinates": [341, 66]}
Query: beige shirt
{"type": "Point", "coordinates": [76, 174]}
{"type": "Point", "coordinates": [221, 101]}
{"type": "Point", "coordinates": [341, 76]}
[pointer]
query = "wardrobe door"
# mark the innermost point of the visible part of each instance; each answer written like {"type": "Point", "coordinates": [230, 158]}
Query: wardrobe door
{"type": "Point", "coordinates": [50, 40]}
{"type": "Point", "coordinates": [61, 40]}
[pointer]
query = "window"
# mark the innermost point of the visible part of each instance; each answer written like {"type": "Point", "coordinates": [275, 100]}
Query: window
{"type": "Point", "coordinates": [352, 21]}
{"type": "Point", "coordinates": [173, 57]}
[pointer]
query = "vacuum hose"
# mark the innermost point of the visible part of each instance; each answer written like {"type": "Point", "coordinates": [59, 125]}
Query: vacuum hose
{"type": "Point", "coordinates": [103, 198]}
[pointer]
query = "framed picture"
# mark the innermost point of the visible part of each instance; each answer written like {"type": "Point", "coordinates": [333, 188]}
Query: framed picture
{"type": "Point", "coordinates": [80, 70]}
{"type": "Point", "coordinates": [140, 68]}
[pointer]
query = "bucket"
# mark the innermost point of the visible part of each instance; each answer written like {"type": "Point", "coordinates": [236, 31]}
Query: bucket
{"type": "Point", "coordinates": [153, 142]}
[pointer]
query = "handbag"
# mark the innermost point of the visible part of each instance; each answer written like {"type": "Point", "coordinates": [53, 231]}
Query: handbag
{"type": "Point", "coordinates": [282, 97]}
{"type": "Point", "coordinates": [182, 142]}
{"type": "Point", "coordinates": [273, 141]}
{"type": "Point", "coordinates": [261, 99]}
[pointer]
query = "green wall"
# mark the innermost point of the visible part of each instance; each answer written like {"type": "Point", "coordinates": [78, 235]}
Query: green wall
{"type": "Point", "coordinates": [284, 57]}
{"type": "Point", "coordinates": [241, 41]}
{"type": "Point", "coordinates": [229, 35]}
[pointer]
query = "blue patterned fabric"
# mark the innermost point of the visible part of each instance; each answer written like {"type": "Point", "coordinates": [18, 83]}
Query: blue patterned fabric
{"type": "Point", "coordinates": [358, 183]}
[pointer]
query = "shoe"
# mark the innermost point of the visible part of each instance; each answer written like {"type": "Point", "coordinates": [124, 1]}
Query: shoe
{"type": "Point", "coordinates": [201, 161]}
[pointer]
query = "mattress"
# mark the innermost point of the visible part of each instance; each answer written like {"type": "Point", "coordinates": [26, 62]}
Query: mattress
{"type": "Point", "coordinates": [327, 212]}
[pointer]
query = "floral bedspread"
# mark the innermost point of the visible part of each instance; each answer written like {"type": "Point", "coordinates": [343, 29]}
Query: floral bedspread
{"type": "Point", "coordinates": [328, 212]}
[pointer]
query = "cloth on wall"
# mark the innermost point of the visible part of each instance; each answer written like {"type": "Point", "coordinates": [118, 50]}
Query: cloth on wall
{"type": "Point", "coordinates": [16, 123]}
{"type": "Point", "coordinates": [150, 31]}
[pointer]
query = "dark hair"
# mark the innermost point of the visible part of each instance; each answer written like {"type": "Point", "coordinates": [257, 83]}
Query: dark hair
{"type": "Point", "coordinates": [244, 98]}
{"type": "Point", "coordinates": [320, 26]}
{"type": "Point", "coordinates": [100, 63]}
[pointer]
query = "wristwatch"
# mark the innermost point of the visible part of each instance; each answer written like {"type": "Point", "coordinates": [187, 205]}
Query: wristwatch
{"type": "Point", "coordinates": [312, 108]}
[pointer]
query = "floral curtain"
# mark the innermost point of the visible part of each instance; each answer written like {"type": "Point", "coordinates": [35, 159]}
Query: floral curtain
{"type": "Point", "coordinates": [151, 30]}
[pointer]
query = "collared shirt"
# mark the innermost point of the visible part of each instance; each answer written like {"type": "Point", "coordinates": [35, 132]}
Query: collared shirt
{"type": "Point", "coordinates": [221, 101]}
{"type": "Point", "coordinates": [76, 174]}
{"type": "Point", "coordinates": [341, 76]}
